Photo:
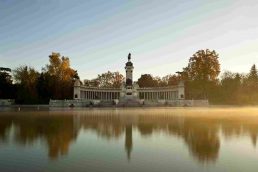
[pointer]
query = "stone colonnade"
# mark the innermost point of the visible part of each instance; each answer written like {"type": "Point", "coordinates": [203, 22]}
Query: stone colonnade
{"type": "Point", "coordinates": [100, 94]}
{"type": "Point", "coordinates": [143, 93]}
{"type": "Point", "coordinates": [156, 94]}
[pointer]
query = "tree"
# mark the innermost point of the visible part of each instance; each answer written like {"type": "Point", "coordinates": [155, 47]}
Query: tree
{"type": "Point", "coordinates": [230, 85]}
{"type": "Point", "coordinates": [62, 76]}
{"type": "Point", "coordinates": [203, 65]}
{"type": "Point", "coordinates": [60, 67]}
{"type": "Point", "coordinates": [253, 75]}
{"type": "Point", "coordinates": [110, 79]}
{"type": "Point", "coordinates": [25, 75]}
{"type": "Point", "coordinates": [202, 73]}
{"type": "Point", "coordinates": [26, 80]}
{"type": "Point", "coordinates": [147, 80]}
{"type": "Point", "coordinates": [6, 87]}
{"type": "Point", "coordinates": [44, 88]}
{"type": "Point", "coordinates": [160, 82]}
{"type": "Point", "coordinates": [173, 79]}
{"type": "Point", "coordinates": [91, 83]}
{"type": "Point", "coordinates": [249, 89]}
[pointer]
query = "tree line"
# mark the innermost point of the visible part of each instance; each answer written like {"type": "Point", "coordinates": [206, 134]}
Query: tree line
{"type": "Point", "coordinates": [202, 81]}
{"type": "Point", "coordinates": [201, 78]}
{"type": "Point", "coordinates": [28, 86]}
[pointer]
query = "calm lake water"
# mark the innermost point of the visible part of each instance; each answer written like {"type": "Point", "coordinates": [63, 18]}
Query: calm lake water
{"type": "Point", "coordinates": [130, 139]}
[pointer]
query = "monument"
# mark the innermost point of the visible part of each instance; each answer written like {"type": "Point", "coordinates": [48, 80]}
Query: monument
{"type": "Point", "coordinates": [129, 94]}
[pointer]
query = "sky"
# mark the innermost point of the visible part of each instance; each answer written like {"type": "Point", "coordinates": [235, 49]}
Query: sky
{"type": "Point", "coordinates": [97, 35]}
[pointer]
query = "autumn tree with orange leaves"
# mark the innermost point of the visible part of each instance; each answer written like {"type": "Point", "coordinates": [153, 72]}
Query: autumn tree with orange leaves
{"type": "Point", "coordinates": [201, 74]}
{"type": "Point", "coordinates": [62, 76]}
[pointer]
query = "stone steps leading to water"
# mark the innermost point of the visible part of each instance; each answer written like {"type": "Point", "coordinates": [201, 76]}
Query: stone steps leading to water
{"type": "Point", "coordinates": [129, 102]}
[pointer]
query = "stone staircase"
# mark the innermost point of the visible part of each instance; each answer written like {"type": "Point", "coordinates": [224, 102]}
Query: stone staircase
{"type": "Point", "coordinates": [129, 103]}
{"type": "Point", "coordinates": [106, 103]}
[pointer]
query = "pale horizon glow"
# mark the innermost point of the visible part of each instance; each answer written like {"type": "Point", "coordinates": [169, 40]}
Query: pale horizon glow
{"type": "Point", "coordinates": [97, 35]}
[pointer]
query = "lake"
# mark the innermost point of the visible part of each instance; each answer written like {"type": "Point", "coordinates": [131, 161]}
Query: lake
{"type": "Point", "coordinates": [129, 139]}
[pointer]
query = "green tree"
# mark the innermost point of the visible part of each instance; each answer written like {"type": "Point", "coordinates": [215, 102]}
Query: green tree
{"type": "Point", "coordinates": [44, 88]}
{"type": "Point", "coordinates": [253, 75]}
{"type": "Point", "coordinates": [250, 87]}
{"type": "Point", "coordinates": [6, 86]}
{"type": "Point", "coordinates": [26, 80]}
{"type": "Point", "coordinates": [230, 87]}
{"type": "Point", "coordinates": [147, 80]}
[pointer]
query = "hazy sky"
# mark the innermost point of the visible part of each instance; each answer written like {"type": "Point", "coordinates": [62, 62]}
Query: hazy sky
{"type": "Point", "coordinates": [97, 35]}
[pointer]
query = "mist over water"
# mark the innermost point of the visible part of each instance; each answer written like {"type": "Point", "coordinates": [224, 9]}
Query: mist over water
{"type": "Point", "coordinates": [129, 139]}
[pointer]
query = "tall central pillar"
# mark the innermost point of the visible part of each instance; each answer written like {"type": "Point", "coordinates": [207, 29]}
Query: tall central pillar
{"type": "Point", "coordinates": [129, 77]}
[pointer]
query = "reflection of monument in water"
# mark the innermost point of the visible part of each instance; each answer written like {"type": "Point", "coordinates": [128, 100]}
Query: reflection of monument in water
{"type": "Point", "coordinates": [201, 135]}
{"type": "Point", "coordinates": [128, 140]}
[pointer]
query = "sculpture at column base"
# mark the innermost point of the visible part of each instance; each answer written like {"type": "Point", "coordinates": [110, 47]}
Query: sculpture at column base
{"type": "Point", "coordinates": [129, 95]}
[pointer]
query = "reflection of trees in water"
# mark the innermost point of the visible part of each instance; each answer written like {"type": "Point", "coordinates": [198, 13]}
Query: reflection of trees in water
{"type": "Point", "coordinates": [108, 127]}
{"type": "Point", "coordinates": [231, 128]}
{"type": "Point", "coordinates": [202, 139]}
{"type": "Point", "coordinates": [56, 131]}
{"type": "Point", "coordinates": [5, 124]}
{"type": "Point", "coordinates": [200, 134]}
